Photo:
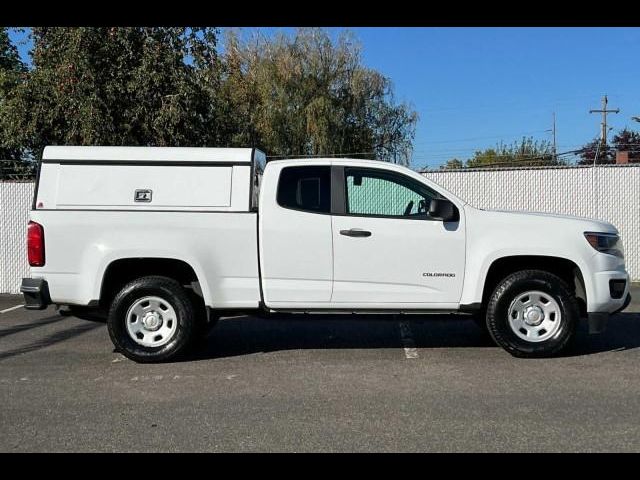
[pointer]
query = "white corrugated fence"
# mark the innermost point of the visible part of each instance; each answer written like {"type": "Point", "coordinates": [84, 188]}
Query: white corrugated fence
{"type": "Point", "coordinates": [610, 193]}
{"type": "Point", "coordinates": [15, 202]}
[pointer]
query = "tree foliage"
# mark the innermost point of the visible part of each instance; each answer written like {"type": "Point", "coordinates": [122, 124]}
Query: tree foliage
{"type": "Point", "coordinates": [307, 95]}
{"type": "Point", "coordinates": [11, 67]}
{"type": "Point", "coordinates": [12, 72]}
{"type": "Point", "coordinates": [117, 86]}
{"type": "Point", "coordinates": [605, 154]}
{"type": "Point", "coordinates": [291, 95]}
{"type": "Point", "coordinates": [628, 141]}
{"type": "Point", "coordinates": [625, 140]}
{"type": "Point", "coordinates": [452, 164]}
{"type": "Point", "coordinates": [522, 153]}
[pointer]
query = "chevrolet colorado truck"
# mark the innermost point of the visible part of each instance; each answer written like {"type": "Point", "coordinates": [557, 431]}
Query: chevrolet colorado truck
{"type": "Point", "coordinates": [167, 240]}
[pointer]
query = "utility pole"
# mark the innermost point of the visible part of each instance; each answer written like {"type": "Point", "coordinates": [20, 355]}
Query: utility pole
{"type": "Point", "coordinates": [553, 133]}
{"type": "Point", "coordinates": [603, 125]}
{"type": "Point", "coordinates": [555, 152]}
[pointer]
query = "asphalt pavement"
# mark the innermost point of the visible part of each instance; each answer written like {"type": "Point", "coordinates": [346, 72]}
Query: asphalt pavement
{"type": "Point", "coordinates": [311, 383]}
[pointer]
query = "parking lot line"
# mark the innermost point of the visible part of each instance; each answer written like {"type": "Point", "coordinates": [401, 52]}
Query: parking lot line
{"type": "Point", "coordinates": [11, 308]}
{"type": "Point", "coordinates": [410, 350]}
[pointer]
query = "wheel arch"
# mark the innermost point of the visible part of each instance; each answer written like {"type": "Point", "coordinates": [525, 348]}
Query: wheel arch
{"type": "Point", "coordinates": [120, 271]}
{"type": "Point", "coordinates": [565, 268]}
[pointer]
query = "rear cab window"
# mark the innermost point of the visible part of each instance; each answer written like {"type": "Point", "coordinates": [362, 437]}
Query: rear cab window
{"type": "Point", "coordinates": [305, 188]}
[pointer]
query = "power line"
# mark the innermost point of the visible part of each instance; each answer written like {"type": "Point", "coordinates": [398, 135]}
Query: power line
{"type": "Point", "coordinates": [480, 138]}
{"type": "Point", "coordinates": [452, 153]}
{"type": "Point", "coordinates": [425, 154]}
{"type": "Point", "coordinates": [574, 99]}
{"type": "Point", "coordinates": [515, 158]}
{"type": "Point", "coordinates": [445, 153]}
{"type": "Point", "coordinates": [513, 154]}
{"type": "Point", "coordinates": [555, 151]}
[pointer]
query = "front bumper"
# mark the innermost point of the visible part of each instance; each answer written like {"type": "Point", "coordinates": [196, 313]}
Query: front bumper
{"type": "Point", "coordinates": [36, 293]}
{"type": "Point", "coordinates": [609, 291]}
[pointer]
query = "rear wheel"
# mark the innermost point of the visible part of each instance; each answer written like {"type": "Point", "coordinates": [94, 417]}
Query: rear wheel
{"type": "Point", "coordinates": [152, 319]}
{"type": "Point", "coordinates": [532, 313]}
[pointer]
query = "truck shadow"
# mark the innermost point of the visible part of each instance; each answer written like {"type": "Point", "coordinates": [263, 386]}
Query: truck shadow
{"type": "Point", "coordinates": [58, 336]}
{"type": "Point", "coordinates": [622, 333]}
{"type": "Point", "coordinates": [248, 335]}
{"type": "Point", "coordinates": [5, 332]}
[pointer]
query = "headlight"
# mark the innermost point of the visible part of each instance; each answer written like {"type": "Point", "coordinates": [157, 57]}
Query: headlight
{"type": "Point", "coordinates": [605, 243]}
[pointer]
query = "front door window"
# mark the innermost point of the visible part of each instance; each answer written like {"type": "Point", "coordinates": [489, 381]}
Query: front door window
{"type": "Point", "coordinates": [379, 193]}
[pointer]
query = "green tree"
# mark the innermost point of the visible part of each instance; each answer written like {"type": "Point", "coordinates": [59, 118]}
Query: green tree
{"type": "Point", "coordinates": [522, 153]}
{"type": "Point", "coordinates": [307, 95]}
{"type": "Point", "coordinates": [483, 158]}
{"type": "Point", "coordinates": [628, 141]}
{"type": "Point", "coordinates": [605, 154]}
{"type": "Point", "coordinates": [625, 140]}
{"type": "Point", "coordinates": [117, 86]}
{"type": "Point", "coordinates": [12, 73]}
{"type": "Point", "coordinates": [11, 66]}
{"type": "Point", "coordinates": [452, 164]}
{"type": "Point", "coordinates": [298, 95]}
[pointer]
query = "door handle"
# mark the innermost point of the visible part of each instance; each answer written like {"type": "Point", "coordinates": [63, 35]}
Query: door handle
{"type": "Point", "coordinates": [355, 232]}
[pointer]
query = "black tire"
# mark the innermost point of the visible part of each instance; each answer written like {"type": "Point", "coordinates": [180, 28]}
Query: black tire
{"type": "Point", "coordinates": [170, 291]}
{"type": "Point", "coordinates": [516, 284]}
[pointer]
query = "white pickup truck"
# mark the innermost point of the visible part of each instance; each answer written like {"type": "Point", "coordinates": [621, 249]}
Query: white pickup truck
{"type": "Point", "coordinates": [166, 240]}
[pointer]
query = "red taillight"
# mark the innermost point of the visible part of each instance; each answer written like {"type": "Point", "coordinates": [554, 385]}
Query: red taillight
{"type": "Point", "coordinates": [35, 244]}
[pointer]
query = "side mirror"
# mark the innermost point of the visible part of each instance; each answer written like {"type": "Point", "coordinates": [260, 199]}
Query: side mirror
{"type": "Point", "coordinates": [443, 209]}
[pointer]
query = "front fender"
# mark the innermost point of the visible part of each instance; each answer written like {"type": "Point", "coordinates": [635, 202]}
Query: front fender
{"type": "Point", "coordinates": [479, 265]}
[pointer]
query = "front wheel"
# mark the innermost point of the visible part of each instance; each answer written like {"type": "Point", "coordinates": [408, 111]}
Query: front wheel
{"type": "Point", "coordinates": [532, 313]}
{"type": "Point", "coordinates": [152, 319]}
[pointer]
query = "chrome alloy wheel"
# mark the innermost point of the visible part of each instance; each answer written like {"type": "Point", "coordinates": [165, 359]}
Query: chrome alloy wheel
{"type": "Point", "coordinates": [535, 316]}
{"type": "Point", "coordinates": [151, 322]}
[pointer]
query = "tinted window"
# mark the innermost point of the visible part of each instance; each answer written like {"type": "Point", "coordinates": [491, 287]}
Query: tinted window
{"type": "Point", "coordinates": [377, 192]}
{"type": "Point", "coordinates": [305, 188]}
{"type": "Point", "coordinates": [259, 162]}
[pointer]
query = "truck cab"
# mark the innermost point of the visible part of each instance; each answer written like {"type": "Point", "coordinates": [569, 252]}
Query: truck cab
{"type": "Point", "coordinates": [370, 240]}
{"type": "Point", "coordinates": [166, 240]}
